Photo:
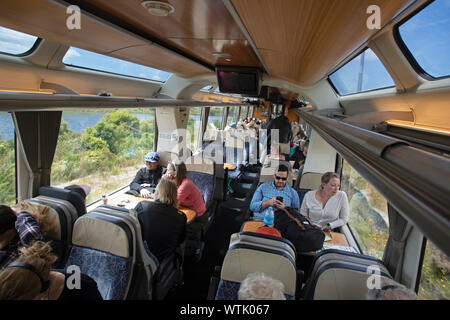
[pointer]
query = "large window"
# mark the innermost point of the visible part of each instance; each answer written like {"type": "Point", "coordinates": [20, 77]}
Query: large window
{"type": "Point", "coordinates": [102, 148]}
{"type": "Point", "coordinates": [232, 112]}
{"type": "Point", "coordinates": [363, 73]}
{"type": "Point", "coordinates": [193, 125]}
{"type": "Point", "coordinates": [15, 42]}
{"type": "Point", "coordinates": [243, 113]}
{"type": "Point", "coordinates": [7, 160]}
{"type": "Point", "coordinates": [87, 59]}
{"type": "Point", "coordinates": [427, 37]}
{"type": "Point", "coordinates": [215, 118]}
{"type": "Point", "coordinates": [435, 276]}
{"type": "Point", "coordinates": [368, 218]}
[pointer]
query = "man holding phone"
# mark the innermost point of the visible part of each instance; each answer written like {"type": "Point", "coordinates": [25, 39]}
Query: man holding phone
{"type": "Point", "coordinates": [277, 194]}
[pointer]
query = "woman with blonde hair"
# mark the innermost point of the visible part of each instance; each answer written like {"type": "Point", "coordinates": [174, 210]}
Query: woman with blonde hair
{"type": "Point", "coordinates": [327, 206]}
{"type": "Point", "coordinates": [189, 196]}
{"type": "Point", "coordinates": [30, 277]}
{"type": "Point", "coordinates": [163, 225]}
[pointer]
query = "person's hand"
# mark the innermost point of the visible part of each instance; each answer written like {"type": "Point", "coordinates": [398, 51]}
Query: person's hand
{"type": "Point", "coordinates": [145, 185]}
{"type": "Point", "coordinates": [145, 193]}
{"type": "Point", "coordinates": [168, 176]}
{"type": "Point", "coordinates": [279, 204]}
{"type": "Point", "coordinates": [326, 228]}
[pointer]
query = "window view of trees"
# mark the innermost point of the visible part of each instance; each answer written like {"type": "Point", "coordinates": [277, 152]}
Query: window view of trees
{"type": "Point", "coordinates": [193, 126]}
{"type": "Point", "coordinates": [104, 155]}
{"type": "Point", "coordinates": [232, 111]}
{"type": "Point", "coordinates": [368, 218]}
{"type": "Point", "coordinates": [215, 118]}
{"type": "Point", "coordinates": [7, 160]}
{"type": "Point", "coordinates": [434, 280]}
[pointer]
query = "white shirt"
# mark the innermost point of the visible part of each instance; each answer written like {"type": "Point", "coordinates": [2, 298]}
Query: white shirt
{"type": "Point", "coordinates": [335, 211]}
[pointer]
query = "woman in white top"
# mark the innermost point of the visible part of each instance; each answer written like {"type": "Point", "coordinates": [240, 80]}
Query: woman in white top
{"type": "Point", "coordinates": [326, 207]}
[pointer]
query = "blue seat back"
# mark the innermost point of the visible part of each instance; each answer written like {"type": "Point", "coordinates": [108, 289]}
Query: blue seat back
{"type": "Point", "coordinates": [205, 183]}
{"type": "Point", "coordinates": [103, 247]}
{"type": "Point", "coordinates": [301, 194]}
{"type": "Point", "coordinates": [202, 172]}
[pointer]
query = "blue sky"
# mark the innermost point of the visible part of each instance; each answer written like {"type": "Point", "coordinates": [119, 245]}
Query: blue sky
{"type": "Point", "coordinates": [15, 42]}
{"type": "Point", "coordinates": [427, 36]}
{"type": "Point", "coordinates": [87, 59]}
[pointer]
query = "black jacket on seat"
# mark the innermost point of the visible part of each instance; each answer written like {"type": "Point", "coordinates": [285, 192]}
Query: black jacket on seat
{"type": "Point", "coordinates": [163, 227]}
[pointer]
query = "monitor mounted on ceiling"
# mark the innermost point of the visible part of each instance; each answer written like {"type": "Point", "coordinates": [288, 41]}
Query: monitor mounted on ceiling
{"type": "Point", "coordinates": [240, 80]}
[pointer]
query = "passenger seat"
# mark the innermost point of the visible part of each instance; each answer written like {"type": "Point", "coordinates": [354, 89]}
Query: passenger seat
{"type": "Point", "coordinates": [104, 248]}
{"type": "Point", "coordinates": [341, 275]}
{"type": "Point", "coordinates": [244, 258]}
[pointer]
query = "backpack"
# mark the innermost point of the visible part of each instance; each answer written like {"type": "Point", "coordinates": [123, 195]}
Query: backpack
{"type": "Point", "coordinates": [299, 230]}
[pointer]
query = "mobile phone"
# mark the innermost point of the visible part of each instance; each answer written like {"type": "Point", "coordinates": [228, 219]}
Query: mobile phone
{"type": "Point", "coordinates": [280, 199]}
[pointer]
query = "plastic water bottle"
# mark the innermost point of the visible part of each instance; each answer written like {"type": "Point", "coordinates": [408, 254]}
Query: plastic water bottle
{"type": "Point", "coordinates": [269, 217]}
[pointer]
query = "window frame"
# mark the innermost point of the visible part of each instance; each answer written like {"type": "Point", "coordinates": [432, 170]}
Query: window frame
{"type": "Point", "coordinates": [113, 73]}
{"type": "Point", "coordinates": [26, 53]}
{"type": "Point", "coordinates": [364, 91]}
{"type": "Point", "coordinates": [405, 50]}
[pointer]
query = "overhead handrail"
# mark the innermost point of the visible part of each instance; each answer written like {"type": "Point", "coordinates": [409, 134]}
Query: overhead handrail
{"type": "Point", "coordinates": [414, 181]}
{"type": "Point", "coordinates": [15, 102]}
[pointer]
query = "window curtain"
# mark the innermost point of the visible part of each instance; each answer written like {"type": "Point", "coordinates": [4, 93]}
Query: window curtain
{"type": "Point", "coordinates": [38, 136]}
{"type": "Point", "coordinates": [399, 230]}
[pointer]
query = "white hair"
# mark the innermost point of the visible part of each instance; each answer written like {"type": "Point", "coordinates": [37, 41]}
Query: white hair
{"type": "Point", "coordinates": [258, 286]}
{"type": "Point", "coordinates": [391, 290]}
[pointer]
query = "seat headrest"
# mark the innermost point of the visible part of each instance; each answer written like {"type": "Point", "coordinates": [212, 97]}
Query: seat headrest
{"type": "Point", "coordinates": [243, 259]}
{"type": "Point", "coordinates": [73, 197]}
{"type": "Point", "coordinates": [108, 234]}
{"type": "Point", "coordinates": [200, 164]}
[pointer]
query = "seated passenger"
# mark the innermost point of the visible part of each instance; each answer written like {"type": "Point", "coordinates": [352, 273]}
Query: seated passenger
{"type": "Point", "coordinates": [326, 207]}
{"type": "Point", "coordinates": [30, 277]}
{"type": "Point", "coordinates": [189, 195]}
{"type": "Point", "coordinates": [274, 155]}
{"type": "Point", "coordinates": [163, 226]}
{"type": "Point", "coordinates": [45, 216]}
{"type": "Point", "coordinates": [390, 290]}
{"type": "Point", "coordinates": [258, 286]}
{"type": "Point", "coordinates": [17, 229]}
{"type": "Point", "coordinates": [298, 157]}
{"type": "Point", "coordinates": [266, 194]}
{"type": "Point", "coordinates": [148, 177]}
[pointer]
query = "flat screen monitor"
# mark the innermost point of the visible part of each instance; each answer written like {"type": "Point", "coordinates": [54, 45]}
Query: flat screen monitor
{"type": "Point", "coordinates": [240, 80]}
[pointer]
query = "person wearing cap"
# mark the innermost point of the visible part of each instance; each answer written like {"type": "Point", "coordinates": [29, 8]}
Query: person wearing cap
{"type": "Point", "coordinates": [148, 177]}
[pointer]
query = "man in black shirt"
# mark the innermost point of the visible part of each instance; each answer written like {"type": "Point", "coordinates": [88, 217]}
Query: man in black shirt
{"type": "Point", "coordinates": [148, 177]}
{"type": "Point", "coordinates": [282, 124]}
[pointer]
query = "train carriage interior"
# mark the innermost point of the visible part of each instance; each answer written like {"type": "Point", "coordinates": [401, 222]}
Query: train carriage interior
{"type": "Point", "coordinates": [367, 83]}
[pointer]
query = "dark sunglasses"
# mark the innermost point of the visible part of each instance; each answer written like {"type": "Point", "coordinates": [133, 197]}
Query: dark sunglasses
{"type": "Point", "coordinates": [280, 178]}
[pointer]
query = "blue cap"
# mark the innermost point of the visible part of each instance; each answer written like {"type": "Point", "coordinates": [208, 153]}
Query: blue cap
{"type": "Point", "coordinates": [152, 157]}
{"type": "Point", "coordinates": [233, 124]}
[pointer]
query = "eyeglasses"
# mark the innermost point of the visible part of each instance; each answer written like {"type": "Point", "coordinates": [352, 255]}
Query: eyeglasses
{"type": "Point", "coordinates": [280, 178]}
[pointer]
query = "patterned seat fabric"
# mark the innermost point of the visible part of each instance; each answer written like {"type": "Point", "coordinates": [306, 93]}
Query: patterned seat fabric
{"type": "Point", "coordinates": [112, 273]}
{"type": "Point", "coordinates": [205, 183]}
